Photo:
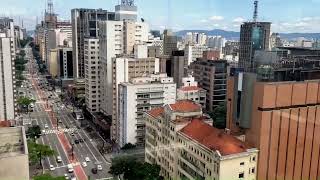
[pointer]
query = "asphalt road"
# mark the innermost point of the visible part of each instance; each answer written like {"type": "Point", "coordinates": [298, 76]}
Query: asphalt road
{"type": "Point", "coordinates": [60, 138]}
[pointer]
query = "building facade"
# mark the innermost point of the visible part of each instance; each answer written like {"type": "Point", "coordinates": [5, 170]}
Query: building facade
{"type": "Point", "coordinates": [192, 52]}
{"type": "Point", "coordinates": [178, 67]}
{"type": "Point", "coordinates": [92, 74]}
{"type": "Point", "coordinates": [170, 42]}
{"type": "Point", "coordinates": [85, 25]}
{"type": "Point", "coordinates": [211, 76]}
{"type": "Point", "coordinates": [123, 70]}
{"type": "Point", "coordinates": [253, 36]}
{"type": "Point", "coordinates": [137, 97]}
{"type": "Point", "coordinates": [7, 77]}
{"type": "Point", "coordinates": [116, 38]}
{"type": "Point", "coordinates": [186, 146]}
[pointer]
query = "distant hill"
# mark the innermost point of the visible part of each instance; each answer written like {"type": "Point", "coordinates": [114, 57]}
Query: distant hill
{"type": "Point", "coordinates": [232, 35]}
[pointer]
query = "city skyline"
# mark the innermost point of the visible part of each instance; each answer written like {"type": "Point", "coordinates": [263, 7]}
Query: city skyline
{"type": "Point", "coordinates": [297, 16]}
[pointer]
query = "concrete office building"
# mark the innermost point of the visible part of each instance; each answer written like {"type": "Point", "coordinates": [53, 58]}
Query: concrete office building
{"type": "Point", "coordinates": [192, 52]}
{"type": "Point", "coordinates": [7, 76]}
{"type": "Point", "coordinates": [124, 68]}
{"type": "Point", "coordinates": [185, 145]}
{"type": "Point", "coordinates": [178, 67]}
{"type": "Point", "coordinates": [137, 97]}
{"type": "Point", "coordinates": [190, 91]}
{"type": "Point", "coordinates": [211, 76]}
{"type": "Point", "coordinates": [216, 42]}
{"type": "Point", "coordinates": [277, 111]}
{"type": "Point", "coordinates": [13, 154]}
{"type": "Point", "coordinates": [170, 42]}
{"type": "Point", "coordinates": [253, 36]}
{"type": "Point", "coordinates": [85, 25]}
{"type": "Point", "coordinates": [92, 74]}
{"type": "Point", "coordinates": [116, 38]}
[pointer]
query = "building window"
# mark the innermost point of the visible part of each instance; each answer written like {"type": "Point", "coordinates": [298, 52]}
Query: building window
{"type": "Point", "coordinates": [253, 158]}
{"type": "Point", "coordinates": [253, 170]}
{"type": "Point", "coordinates": [241, 175]}
{"type": "Point", "coordinates": [242, 164]}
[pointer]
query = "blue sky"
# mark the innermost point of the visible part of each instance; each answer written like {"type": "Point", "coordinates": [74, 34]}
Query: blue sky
{"type": "Point", "coordinates": [286, 15]}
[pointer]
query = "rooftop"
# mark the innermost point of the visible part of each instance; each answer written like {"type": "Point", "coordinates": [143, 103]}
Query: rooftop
{"type": "Point", "coordinates": [185, 106]}
{"type": "Point", "coordinates": [190, 88]}
{"type": "Point", "coordinates": [213, 138]}
{"type": "Point", "coordinates": [12, 141]}
{"type": "Point", "coordinates": [156, 112]}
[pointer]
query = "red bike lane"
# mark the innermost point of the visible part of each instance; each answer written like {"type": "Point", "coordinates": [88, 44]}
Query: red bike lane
{"type": "Point", "coordinates": [78, 170]}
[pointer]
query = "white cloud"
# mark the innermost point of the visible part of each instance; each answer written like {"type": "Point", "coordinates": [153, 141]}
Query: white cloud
{"type": "Point", "coordinates": [204, 20]}
{"type": "Point", "coordinates": [216, 18]}
{"type": "Point", "coordinates": [238, 20]}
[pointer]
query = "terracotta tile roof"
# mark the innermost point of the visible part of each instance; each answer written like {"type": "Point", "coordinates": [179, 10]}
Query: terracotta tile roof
{"type": "Point", "coordinates": [185, 106]}
{"type": "Point", "coordinates": [156, 112]}
{"type": "Point", "coordinates": [190, 88]}
{"type": "Point", "coordinates": [213, 138]}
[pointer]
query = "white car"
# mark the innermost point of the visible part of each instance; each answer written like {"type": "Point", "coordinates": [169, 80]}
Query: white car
{"type": "Point", "coordinates": [46, 126]}
{"type": "Point", "coordinates": [84, 164]}
{"type": "Point", "coordinates": [52, 168]}
{"type": "Point", "coordinates": [87, 159]}
{"type": "Point", "coordinates": [99, 167]}
{"type": "Point", "coordinates": [66, 176]}
{"type": "Point", "coordinates": [59, 160]}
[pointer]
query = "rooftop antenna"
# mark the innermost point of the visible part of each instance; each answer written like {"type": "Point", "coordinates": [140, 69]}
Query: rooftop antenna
{"type": "Point", "coordinates": [255, 13]}
{"type": "Point", "coordinates": [127, 2]}
{"type": "Point", "coordinates": [50, 7]}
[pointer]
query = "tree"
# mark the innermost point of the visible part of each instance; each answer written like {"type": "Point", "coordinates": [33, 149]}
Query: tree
{"type": "Point", "coordinates": [219, 116]}
{"type": "Point", "coordinates": [132, 169]}
{"type": "Point", "coordinates": [25, 103]}
{"type": "Point", "coordinates": [38, 151]}
{"type": "Point", "coordinates": [47, 177]}
{"type": "Point", "coordinates": [34, 132]}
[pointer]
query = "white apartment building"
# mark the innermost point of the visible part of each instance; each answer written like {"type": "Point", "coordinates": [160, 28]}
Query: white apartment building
{"type": "Point", "coordinates": [191, 91]}
{"type": "Point", "coordinates": [92, 74]}
{"type": "Point", "coordinates": [7, 77]}
{"type": "Point", "coordinates": [137, 97]}
{"type": "Point", "coordinates": [185, 145]}
{"type": "Point", "coordinates": [125, 68]}
{"type": "Point", "coordinates": [116, 38]}
{"type": "Point", "coordinates": [192, 52]}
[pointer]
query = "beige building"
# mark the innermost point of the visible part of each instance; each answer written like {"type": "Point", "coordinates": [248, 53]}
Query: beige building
{"type": "Point", "coordinates": [14, 160]}
{"type": "Point", "coordinates": [53, 63]}
{"type": "Point", "coordinates": [186, 146]}
{"type": "Point", "coordinates": [123, 70]}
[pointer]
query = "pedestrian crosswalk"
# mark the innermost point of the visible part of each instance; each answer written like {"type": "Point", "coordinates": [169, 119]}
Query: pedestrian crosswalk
{"type": "Point", "coordinates": [60, 131]}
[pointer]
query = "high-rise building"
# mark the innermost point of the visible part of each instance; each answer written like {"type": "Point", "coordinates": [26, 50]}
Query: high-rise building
{"type": "Point", "coordinates": [185, 145]}
{"type": "Point", "coordinates": [216, 42]}
{"type": "Point", "coordinates": [60, 63]}
{"type": "Point", "coordinates": [178, 67]}
{"type": "Point", "coordinates": [190, 91]}
{"type": "Point", "coordinates": [126, 11]}
{"type": "Point", "coordinates": [137, 97]}
{"type": "Point", "coordinates": [275, 41]}
{"type": "Point", "coordinates": [211, 76]}
{"type": "Point", "coordinates": [170, 42]}
{"type": "Point", "coordinates": [125, 68]}
{"type": "Point", "coordinates": [92, 74]}
{"type": "Point", "coordinates": [192, 52]}
{"type": "Point", "coordinates": [116, 38]}
{"type": "Point", "coordinates": [254, 36]}
{"type": "Point", "coordinates": [85, 25]}
{"type": "Point", "coordinates": [7, 75]}
{"type": "Point", "coordinates": [277, 109]}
